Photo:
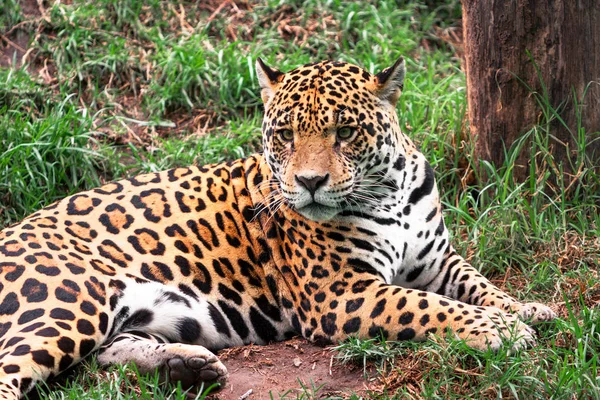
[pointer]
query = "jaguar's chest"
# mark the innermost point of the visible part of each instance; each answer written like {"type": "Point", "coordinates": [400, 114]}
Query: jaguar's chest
{"type": "Point", "coordinates": [396, 240]}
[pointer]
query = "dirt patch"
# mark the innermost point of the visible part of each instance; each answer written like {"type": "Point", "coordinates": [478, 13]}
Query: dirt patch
{"type": "Point", "coordinates": [280, 367]}
{"type": "Point", "coordinates": [275, 371]}
{"type": "Point", "coordinates": [13, 48]}
{"type": "Point", "coordinates": [14, 41]}
{"type": "Point", "coordinates": [30, 8]}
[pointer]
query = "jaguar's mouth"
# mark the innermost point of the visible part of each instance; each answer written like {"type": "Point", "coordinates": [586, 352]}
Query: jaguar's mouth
{"type": "Point", "coordinates": [318, 212]}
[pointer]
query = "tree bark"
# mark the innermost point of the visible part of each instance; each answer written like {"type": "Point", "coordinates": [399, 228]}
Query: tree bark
{"type": "Point", "coordinates": [563, 39]}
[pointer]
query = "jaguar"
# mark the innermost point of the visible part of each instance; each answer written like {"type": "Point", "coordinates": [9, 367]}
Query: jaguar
{"type": "Point", "coordinates": [335, 230]}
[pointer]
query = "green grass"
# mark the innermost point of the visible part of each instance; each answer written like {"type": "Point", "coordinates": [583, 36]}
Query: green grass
{"type": "Point", "coordinates": [235, 139]}
{"type": "Point", "coordinates": [144, 86]}
{"type": "Point", "coordinates": [117, 382]}
{"type": "Point", "coordinates": [47, 149]}
{"type": "Point", "coordinates": [565, 366]}
{"type": "Point", "coordinates": [11, 14]}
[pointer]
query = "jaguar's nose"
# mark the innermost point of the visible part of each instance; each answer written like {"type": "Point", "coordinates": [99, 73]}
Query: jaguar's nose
{"type": "Point", "coordinates": [312, 182]}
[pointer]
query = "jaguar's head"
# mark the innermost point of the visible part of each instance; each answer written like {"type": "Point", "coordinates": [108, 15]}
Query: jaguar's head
{"type": "Point", "coordinates": [330, 134]}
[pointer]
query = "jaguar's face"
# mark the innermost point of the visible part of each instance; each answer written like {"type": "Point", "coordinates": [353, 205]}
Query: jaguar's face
{"type": "Point", "coordinates": [330, 134]}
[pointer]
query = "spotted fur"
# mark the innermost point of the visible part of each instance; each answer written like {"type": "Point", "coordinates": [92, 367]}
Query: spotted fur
{"type": "Point", "coordinates": [336, 230]}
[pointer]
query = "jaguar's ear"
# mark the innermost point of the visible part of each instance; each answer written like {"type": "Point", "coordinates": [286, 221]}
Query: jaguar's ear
{"type": "Point", "coordinates": [268, 78]}
{"type": "Point", "coordinates": [390, 81]}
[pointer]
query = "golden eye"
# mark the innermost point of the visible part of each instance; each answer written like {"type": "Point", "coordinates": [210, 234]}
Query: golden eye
{"type": "Point", "coordinates": [345, 132]}
{"type": "Point", "coordinates": [286, 134]}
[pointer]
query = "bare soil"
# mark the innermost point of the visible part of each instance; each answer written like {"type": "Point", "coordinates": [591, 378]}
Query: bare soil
{"type": "Point", "coordinates": [281, 369]}
{"type": "Point", "coordinates": [15, 41]}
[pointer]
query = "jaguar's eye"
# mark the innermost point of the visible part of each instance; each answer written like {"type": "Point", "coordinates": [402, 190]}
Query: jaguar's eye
{"type": "Point", "coordinates": [286, 134]}
{"type": "Point", "coordinates": [345, 132]}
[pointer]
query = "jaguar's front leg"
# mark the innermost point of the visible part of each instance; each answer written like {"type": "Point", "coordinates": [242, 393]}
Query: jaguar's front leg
{"type": "Point", "coordinates": [459, 280]}
{"type": "Point", "coordinates": [364, 306]}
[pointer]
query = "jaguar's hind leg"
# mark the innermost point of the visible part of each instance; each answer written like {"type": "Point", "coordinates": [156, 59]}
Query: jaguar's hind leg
{"type": "Point", "coordinates": [192, 365]}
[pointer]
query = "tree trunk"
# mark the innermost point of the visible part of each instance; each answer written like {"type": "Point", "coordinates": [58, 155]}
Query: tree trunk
{"type": "Point", "coordinates": [563, 39]}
